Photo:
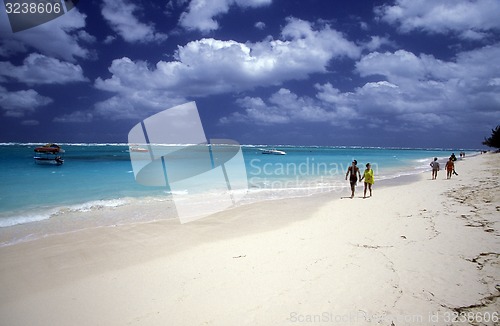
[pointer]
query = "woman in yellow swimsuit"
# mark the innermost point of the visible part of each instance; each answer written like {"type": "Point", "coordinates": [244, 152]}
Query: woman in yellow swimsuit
{"type": "Point", "coordinates": [369, 180]}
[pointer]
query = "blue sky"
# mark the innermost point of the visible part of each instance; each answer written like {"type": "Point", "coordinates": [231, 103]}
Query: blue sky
{"type": "Point", "coordinates": [411, 73]}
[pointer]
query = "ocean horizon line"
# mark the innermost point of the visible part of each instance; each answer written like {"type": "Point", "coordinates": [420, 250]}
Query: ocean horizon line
{"type": "Point", "coordinates": [246, 145]}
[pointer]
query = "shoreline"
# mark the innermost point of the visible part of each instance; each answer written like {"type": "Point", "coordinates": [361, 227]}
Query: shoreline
{"type": "Point", "coordinates": [19, 212]}
{"type": "Point", "coordinates": [105, 213]}
{"type": "Point", "coordinates": [427, 248]}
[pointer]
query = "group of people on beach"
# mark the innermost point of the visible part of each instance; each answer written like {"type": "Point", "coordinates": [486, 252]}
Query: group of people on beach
{"type": "Point", "coordinates": [354, 172]}
{"type": "Point", "coordinates": [449, 167]}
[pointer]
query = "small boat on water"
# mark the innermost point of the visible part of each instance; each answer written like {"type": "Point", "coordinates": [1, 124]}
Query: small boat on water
{"type": "Point", "coordinates": [138, 149]}
{"type": "Point", "coordinates": [49, 154]}
{"type": "Point", "coordinates": [273, 151]}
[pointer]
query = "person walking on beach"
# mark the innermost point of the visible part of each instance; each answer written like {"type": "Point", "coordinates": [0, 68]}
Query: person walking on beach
{"type": "Point", "coordinates": [369, 180]}
{"type": "Point", "coordinates": [435, 168]}
{"type": "Point", "coordinates": [353, 179]}
{"type": "Point", "coordinates": [453, 158]}
{"type": "Point", "coordinates": [450, 168]}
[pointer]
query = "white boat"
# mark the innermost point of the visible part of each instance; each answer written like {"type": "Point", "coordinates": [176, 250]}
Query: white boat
{"type": "Point", "coordinates": [138, 149]}
{"type": "Point", "coordinates": [273, 151]}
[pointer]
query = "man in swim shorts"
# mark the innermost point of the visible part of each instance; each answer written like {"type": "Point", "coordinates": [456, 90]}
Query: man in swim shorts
{"type": "Point", "coordinates": [435, 168]}
{"type": "Point", "coordinates": [353, 179]}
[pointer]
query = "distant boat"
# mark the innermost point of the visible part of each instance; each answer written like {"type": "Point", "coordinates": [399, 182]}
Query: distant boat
{"type": "Point", "coordinates": [49, 154]}
{"type": "Point", "coordinates": [138, 149]}
{"type": "Point", "coordinates": [273, 151]}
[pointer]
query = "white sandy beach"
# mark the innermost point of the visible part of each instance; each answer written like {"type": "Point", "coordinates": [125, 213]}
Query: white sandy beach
{"type": "Point", "coordinates": [413, 254]}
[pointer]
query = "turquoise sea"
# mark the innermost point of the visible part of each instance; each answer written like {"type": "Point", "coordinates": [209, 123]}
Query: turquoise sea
{"type": "Point", "coordinates": [97, 176]}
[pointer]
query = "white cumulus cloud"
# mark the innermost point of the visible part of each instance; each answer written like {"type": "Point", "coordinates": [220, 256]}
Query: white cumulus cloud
{"type": "Point", "coordinates": [201, 13]}
{"type": "Point", "coordinates": [260, 25]}
{"type": "Point", "coordinates": [209, 66]}
{"type": "Point", "coordinates": [120, 15]}
{"type": "Point", "coordinates": [77, 116]}
{"type": "Point", "coordinates": [412, 93]}
{"type": "Point", "coordinates": [377, 42]}
{"type": "Point", "coordinates": [284, 107]}
{"type": "Point", "coordinates": [19, 103]}
{"type": "Point", "coordinates": [40, 69]}
{"type": "Point", "coordinates": [468, 19]}
{"type": "Point", "coordinates": [59, 38]}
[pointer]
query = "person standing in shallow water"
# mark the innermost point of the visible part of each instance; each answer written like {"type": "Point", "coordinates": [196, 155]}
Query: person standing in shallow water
{"type": "Point", "coordinates": [353, 170]}
{"type": "Point", "coordinates": [369, 180]}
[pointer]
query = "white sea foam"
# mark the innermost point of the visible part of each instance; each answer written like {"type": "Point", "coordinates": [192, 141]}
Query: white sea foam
{"type": "Point", "coordinates": [23, 218]}
{"type": "Point", "coordinates": [17, 218]}
{"type": "Point", "coordinates": [97, 204]}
